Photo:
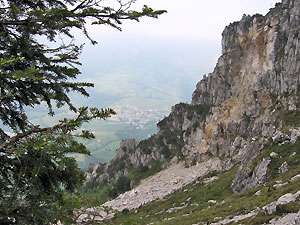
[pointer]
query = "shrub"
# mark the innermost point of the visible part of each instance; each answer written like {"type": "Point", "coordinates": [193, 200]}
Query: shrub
{"type": "Point", "coordinates": [123, 184]}
{"type": "Point", "coordinates": [290, 117]}
{"type": "Point", "coordinates": [166, 152]}
{"type": "Point", "coordinates": [142, 168]}
{"type": "Point", "coordinates": [287, 208]}
{"type": "Point", "coordinates": [112, 193]}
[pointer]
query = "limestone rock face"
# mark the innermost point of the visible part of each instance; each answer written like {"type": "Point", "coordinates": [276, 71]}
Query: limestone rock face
{"type": "Point", "coordinates": [248, 101]}
{"type": "Point", "coordinates": [259, 54]}
{"type": "Point", "coordinates": [258, 66]}
{"type": "Point", "coordinates": [285, 199]}
{"type": "Point", "coordinates": [250, 178]}
{"type": "Point", "coordinates": [98, 172]}
{"type": "Point", "coordinates": [126, 146]}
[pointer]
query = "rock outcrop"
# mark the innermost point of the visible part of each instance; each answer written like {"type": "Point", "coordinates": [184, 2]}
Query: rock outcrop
{"type": "Point", "coordinates": [250, 100]}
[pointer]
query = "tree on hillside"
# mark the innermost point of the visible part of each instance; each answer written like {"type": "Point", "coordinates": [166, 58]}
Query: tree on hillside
{"type": "Point", "coordinates": [36, 167]}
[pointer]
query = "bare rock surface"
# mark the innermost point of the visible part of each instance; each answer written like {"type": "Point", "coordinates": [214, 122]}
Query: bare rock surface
{"type": "Point", "coordinates": [162, 184]}
{"type": "Point", "coordinates": [155, 187]}
{"type": "Point", "coordinates": [285, 199]}
{"type": "Point", "coordinates": [236, 219]}
{"type": "Point", "coordinates": [291, 219]}
{"type": "Point", "coordinates": [294, 178]}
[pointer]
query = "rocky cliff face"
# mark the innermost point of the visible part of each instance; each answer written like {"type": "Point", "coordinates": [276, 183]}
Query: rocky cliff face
{"type": "Point", "coordinates": [249, 101]}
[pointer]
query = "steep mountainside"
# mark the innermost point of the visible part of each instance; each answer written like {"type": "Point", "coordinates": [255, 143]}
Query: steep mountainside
{"type": "Point", "coordinates": [241, 117]}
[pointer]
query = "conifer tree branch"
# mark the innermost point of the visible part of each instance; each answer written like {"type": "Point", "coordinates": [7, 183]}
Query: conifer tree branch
{"type": "Point", "coordinates": [36, 165]}
{"type": "Point", "coordinates": [19, 136]}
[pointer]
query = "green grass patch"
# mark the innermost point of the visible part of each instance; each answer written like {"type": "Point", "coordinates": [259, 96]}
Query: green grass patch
{"type": "Point", "coordinates": [290, 117]}
{"type": "Point", "coordinates": [94, 197]}
{"type": "Point", "coordinates": [289, 153]}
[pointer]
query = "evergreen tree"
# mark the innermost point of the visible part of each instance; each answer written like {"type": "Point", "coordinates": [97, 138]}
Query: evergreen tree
{"type": "Point", "coordinates": [36, 167]}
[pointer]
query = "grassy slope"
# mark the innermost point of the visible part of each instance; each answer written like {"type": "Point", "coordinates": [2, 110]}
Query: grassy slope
{"type": "Point", "coordinates": [198, 209]}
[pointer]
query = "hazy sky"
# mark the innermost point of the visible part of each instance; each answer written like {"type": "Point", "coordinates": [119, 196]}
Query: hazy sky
{"type": "Point", "coordinates": [187, 22]}
{"type": "Point", "coordinates": [193, 25]}
{"type": "Point", "coordinates": [186, 39]}
{"type": "Point", "coordinates": [192, 19]}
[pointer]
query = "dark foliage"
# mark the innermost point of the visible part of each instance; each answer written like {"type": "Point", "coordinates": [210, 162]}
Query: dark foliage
{"type": "Point", "coordinates": [36, 167]}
